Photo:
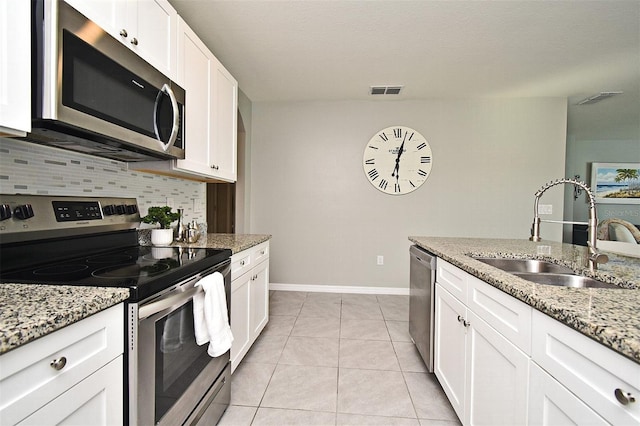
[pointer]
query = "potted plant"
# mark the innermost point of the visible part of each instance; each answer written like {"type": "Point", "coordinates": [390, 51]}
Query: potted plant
{"type": "Point", "coordinates": [164, 217]}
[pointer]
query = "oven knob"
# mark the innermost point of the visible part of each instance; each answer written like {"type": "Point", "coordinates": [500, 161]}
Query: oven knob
{"type": "Point", "coordinates": [121, 209]}
{"type": "Point", "coordinates": [132, 209]}
{"type": "Point", "coordinates": [24, 211]}
{"type": "Point", "coordinates": [109, 210]}
{"type": "Point", "coordinates": [5, 211]}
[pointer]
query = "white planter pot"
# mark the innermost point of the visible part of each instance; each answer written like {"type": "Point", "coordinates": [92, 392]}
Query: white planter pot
{"type": "Point", "coordinates": [161, 237]}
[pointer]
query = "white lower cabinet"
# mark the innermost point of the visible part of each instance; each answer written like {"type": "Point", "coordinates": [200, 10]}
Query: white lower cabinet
{"type": "Point", "coordinates": [607, 382]}
{"type": "Point", "coordinates": [72, 376]}
{"type": "Point", "coordinates": [551, 404]}
{"type": "Point", "coordinates": [483, 373]}
{"type": "Point", "coordinates": [249, 299]}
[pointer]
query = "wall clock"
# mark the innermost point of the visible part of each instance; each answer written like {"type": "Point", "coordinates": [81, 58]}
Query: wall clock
{"type": "Point", "coordinates": [397, 160]}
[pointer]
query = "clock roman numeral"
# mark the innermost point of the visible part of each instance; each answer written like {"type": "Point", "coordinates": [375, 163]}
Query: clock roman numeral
{"type": "Point", "coordinates": [425, 159]}
{"type": "Point", "coordinates": [383, 184]}
{"type": "Point", "coordinates": [397, 133]}
{"type": "Point", "coordinates": [422, 172]}
{"type": "Point", "coordinates": [412, 184]}
{"type": "Point", "coordinates": [412, 133]}
{"type": "Point", "coordinates": [396, 187]}
{"type": "Point", "coordinates": [370, 161]}
{"type": "Point", "coordinates": [373, 174]}
{"type": "Point", "coordinates": [422, 145]}
{"type": "Point", "coordinates": [383, 137]}
{"type": "Point", "coordinates": [372, 147]}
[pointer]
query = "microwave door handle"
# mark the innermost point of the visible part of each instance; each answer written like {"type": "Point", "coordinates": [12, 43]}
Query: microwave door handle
{"type": "Point", "coordinates": [168, 301]}
{"type": "Point", "coordinates": [176, 117]}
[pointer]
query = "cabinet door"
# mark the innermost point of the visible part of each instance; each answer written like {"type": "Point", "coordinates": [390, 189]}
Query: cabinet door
{"type": "Point", "coordinates": [497, 376]}
{"type": "Point", "coordinates": [551, 404]}
{"type": "Point", "coordinates": [110, 15]}
{"type": "Point", "coordinates": [450, 347]}
{"type": "Point", "coordinates": [225, 124]}
{"type": "Point", "coordinates": [155, 34]}
{"type": "Point", "coordinates": [259, 298]}
{"type": "Point", "coordinates": [97, 400]}
{"type": "Point", "coordinates": [15, 71]}
{"type": "Point", "coordinates": [240, 303]}
{"type": "Point", "coordinates": [194, 71]}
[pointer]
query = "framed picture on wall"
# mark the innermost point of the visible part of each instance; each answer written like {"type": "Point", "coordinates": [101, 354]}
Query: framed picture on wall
{"type": "Point", "coordinates": [616, 183]}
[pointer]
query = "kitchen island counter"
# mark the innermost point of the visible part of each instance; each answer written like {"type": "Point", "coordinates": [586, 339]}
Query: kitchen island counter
{"type": "Point", "coordinates": [29, 311]}
{"type": "Point", "coordinates": [609, 316]}
{"type": "Point", "coordinates": [235, 242]}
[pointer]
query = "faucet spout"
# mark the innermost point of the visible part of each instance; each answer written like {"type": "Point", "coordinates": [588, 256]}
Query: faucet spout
{"type": "Point", "coordinates": [594, 256]}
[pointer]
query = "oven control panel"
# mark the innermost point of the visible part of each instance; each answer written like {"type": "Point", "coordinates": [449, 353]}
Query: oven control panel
{"type": "Point", "coordinates": [69, 211]}
{"type": "Point", "coordinates": [31, 217]}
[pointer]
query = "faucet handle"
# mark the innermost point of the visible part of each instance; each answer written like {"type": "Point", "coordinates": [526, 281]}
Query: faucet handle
{"type": "Point", "coordinates": [599, 257]}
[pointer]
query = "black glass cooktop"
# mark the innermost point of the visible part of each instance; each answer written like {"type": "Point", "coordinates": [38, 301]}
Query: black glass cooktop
{"type": "Point", "coordinates": [144, 270]}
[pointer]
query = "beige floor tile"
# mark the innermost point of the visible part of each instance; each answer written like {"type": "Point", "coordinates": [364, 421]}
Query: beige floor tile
{"type": "Point", "coordinates": [361, 312]}
{"type": "Point", "coordinates": [361, 420]}
{"type": "Point", "coordinates": [369, 392]}
{"type": "Point", "coordinates": [320, 310]}
{"type": "Point", "coordinates": [324, 297]}
{"type": "Point", "coordinates": [409, 357]}
{"type": "Point", "coordinates": [281, 417]}
{"type": "Point", "coordinates": [285, 307]}
{"type": "Point", "coordinates": [428, 397]}
{"type": "Point", "coordinates": [279, 325]}
{"type": "Point", "coordinates": [363, 329]}
{"type": "Point", "coordinates": [368, 354]}
{"type": "Point", "coordinates": [312, 327]}
{"type": "Point", "coordinates": [249, 383]}
{"type": "Point", "coordinates": [238, 415]}
{"type": "Point", "coordinates": [302, 387]}
{"type": "Point", "coordinates": [312, 351]}
{"type": "Point", "coordinates": [266, 349]}
{"type": "Point", "coordinates": [399, 331]}
{"type": "Point", "coordinates": [360, 299]}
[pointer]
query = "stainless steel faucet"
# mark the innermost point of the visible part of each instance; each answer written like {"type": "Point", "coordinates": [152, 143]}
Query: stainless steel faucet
{"type": "Point", "coordinates": [594, 256]}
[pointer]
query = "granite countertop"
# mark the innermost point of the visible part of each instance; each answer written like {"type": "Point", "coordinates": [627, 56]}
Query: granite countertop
{"type": "Point", "coordinates": [609, 316]}
{"type": "Point", "coordinates": [29, 311]}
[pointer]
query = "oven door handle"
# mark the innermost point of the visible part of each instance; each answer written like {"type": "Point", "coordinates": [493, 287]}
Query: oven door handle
{"type": "Point", "coordinates": [166, 302]}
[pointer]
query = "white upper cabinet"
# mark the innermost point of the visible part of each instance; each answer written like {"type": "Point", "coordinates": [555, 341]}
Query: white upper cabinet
{"type": "Point", "coordinates": [148, 27]}
{"type": "Point", "coordinates": [211, 106]}
{"type": "Point", "coordinates": [15, 68]}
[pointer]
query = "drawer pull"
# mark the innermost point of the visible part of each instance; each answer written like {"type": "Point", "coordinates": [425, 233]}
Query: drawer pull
{"type": "Point", "coordinates": [59, 363]}
{"type": "Point", "coordinates": [623, 397]}
{"type": "Point", "coordinates": [466, 323]}
{"type": "Point", "coordinates": [460, 319]}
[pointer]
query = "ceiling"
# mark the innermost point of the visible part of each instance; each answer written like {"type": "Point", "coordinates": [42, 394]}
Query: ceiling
{"type": "Point", "coordinates": [335, 49]}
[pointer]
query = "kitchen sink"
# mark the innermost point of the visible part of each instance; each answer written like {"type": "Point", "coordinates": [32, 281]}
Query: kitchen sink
{"type": "Point", "coordinates": [525, 265]}
{"type": "Point", "coordinates": [543, 272]}
{"type": "Point", "coordinates": [565, 280]}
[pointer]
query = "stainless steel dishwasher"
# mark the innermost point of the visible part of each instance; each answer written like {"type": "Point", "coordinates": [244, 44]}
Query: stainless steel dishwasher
{"type": "Point", "coordinates": [422, 277]}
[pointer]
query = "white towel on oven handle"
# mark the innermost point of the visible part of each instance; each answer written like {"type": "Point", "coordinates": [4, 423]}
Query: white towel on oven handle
{"type": "Point", "coordinates": [210, 315]}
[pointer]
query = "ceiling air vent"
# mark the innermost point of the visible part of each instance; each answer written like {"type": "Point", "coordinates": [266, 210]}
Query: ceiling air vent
{"type": "Point", "coordinates": [385, 90]}
{"type": "Point", "coordinates": [597, 98]}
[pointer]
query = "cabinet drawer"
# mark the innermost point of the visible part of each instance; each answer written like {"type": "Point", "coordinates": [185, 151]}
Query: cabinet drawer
{"type": "Point", "coordinates": [588, 369]}
{"type": "Point", "coordinates": [240, 263]}
{"type": "Point", "coordinates": [509, 316]}
{"type": "Point", "coordinates": [260, 253]}
{"type": "Point", "coordinates": [453, 279]}
{"type": "Point", "coordinates": [27, 378]}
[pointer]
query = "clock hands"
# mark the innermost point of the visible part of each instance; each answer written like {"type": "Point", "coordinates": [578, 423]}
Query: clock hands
{"type": "Point", "coordinates": [396, 169]}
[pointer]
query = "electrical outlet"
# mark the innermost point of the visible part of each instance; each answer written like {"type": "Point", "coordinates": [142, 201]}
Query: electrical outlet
{"type": "Point", "coordinates": [380, 260]}
{"type": "Point", "coordinates": [196, 206]}
{"type": "Point", "coordinates": [545, 208]}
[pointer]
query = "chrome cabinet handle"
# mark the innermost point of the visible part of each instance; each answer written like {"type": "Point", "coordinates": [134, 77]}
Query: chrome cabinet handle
{"type": "Point", "coordinates": [242, 263]}
{"type": "Point", "coordinates": [466, 323]}
{"type": "Point", "coordinates": [124, 33]}
{"type": "Point", "coordinates": [214, 167]}
{"type": "Point", "coordinates": [59, 363]}
{"type": "Point", "coordinates": [460, 319]}
{"type": "Point", "coordinates": [134, 41]}
{"type": "Point", "coordinates": [624, 398]}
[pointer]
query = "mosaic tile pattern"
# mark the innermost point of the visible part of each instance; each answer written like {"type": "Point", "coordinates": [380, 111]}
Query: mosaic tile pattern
{"type": "Point", "coordinates": [609, 316]}
{"type": "Point", "coordinates": [28, 168]}
{"type": "Point", "coordinates": [29, 311]}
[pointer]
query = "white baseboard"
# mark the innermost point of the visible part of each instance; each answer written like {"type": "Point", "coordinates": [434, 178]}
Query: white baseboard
{"type": "Point", "coordinates": [313, 288]}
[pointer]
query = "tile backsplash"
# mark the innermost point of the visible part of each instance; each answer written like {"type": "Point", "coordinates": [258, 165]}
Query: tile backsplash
{"type": "Point", "coordinates": [28, 168]}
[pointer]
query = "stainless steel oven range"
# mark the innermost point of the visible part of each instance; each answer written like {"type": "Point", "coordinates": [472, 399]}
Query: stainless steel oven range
{"type": "Point", "coordinates": [169, 379]}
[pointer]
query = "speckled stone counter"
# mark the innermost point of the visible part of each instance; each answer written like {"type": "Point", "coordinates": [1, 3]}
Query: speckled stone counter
{"type": "Point", "coordinates": [609, 316]}
{"type": "Point", "coordinates": [235, 242]}
{"type": "Point", "coordinates": [29, 311]}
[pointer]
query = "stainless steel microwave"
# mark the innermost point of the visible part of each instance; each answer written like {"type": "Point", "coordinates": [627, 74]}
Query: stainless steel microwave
{"type": "Point", "coordinates": [93, 95]}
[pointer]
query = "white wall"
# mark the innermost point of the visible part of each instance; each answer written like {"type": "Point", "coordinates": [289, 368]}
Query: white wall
{"type": "Point", "coordinates": [309, 191]}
